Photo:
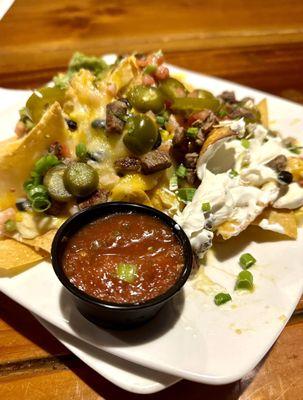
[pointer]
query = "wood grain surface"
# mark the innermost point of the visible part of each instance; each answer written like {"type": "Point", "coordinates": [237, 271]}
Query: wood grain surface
{"type": "Point", "coordinates": [257, 43]}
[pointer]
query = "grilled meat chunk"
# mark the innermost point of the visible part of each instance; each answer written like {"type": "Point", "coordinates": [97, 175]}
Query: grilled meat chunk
{"type": "Point", "coordinates": [155, 160]}
{"type": "Point", "coordinates": [98, 197]}
{"type": "Point", "coordinates": [278, 163]}
{"type": "Point", "coordinates": [127, 164]}
{"type": "Point", "coordinates": [115, 114]}
{"type": "Point", "coordinates": [191, 160]}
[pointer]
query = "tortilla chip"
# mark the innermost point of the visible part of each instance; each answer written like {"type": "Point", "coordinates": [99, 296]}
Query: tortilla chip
{"type": "Point", "coordinates": [15, 257]}
{"type": "Point", "coordinates": [228, 229]}
{"type": "Point", "coordinates": [19, 156]}
{"type": "Point", "coordinates": [215, 135]}
{"type": "Point", "coordinates": [285, 218]}
{"type": "Point", "coordinates": [263, 109]}
{"type": "Point", "coordinates": [43, 242]}
{"type": "Point", "coordinates": [299, 216]}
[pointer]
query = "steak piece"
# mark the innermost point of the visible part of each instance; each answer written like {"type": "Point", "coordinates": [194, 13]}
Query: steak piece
{"type": "Point", "coordinates": [155, 160]}
{"type": "Point", "coordinates": [278, 163]}
{"type": "Point", "coordinates": [98, 197]}
{"type": "Point", "coordinates": [179, 137]}
{"type": "Point", "coordinates": [228, 97]}
{"type": "Point", "coordinates": [191, 160]}
{"type": "Point", "coordinates": [115, 115]}
{"type": "Point", "coordinates": [191, 176]}
{"type": "Point", "coordinates": [127, 164]}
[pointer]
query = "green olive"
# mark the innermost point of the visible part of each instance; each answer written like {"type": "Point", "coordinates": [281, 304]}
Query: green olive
{"type": "Point", "coordinates": [140, 134]}
{"type": "Point", "coordinates": [53, 180]}
{"type": "Point", "coordinates": [146, 98]}
{"type": "Point", "coordinates": [80, 179]}
{"type": "Point", "coordinates": [41, 99]}
{"type": "Point", "coordinates": [172, 88]}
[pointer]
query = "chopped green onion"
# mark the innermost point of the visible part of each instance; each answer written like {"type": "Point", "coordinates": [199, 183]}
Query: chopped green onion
{"type": "Point", "coordinates": [206, 207]}
{"type": "Point", "coordinates": [45, 163]}
{"type": "Point", "coordinates": [247, 260]}
{"type": "Point", "coordinates": [173, 183]}
{"type": "Point", "coordinates": [37, 191]}
{"type": "Point", "coordinates": [27, 185]}
{"type": "Point", "coordinates": [81, 151]}
{"type": "Point", "coordinates": [233, 173]}
{"type": "Point", "coordinates": [222, 298]}
{"type": "Point", "coordinates": [150, 69]}
{"type": "Point", "coordinates": [160, 120]}
{"type": "Point", "coordinates": [181, 171]}
{"type": "Point", "coordinates": [127, 272]}
{"type": "Point", "coordinates": [186, 194]}
{"type": "Point", "coordinates": [192, 132]}
{"type": "Point", "coordinates": [41, 204]}
{"type": "Point", "coordinates": [245, 143]}
{"type": "Point", "coordinates": [295, 149]}
{"type": "Point", "coordinates": [222, 113]}
{"type": "Point", "coordinates": [10, 225]}
{"type": "Point", "coordinates": [245, 281]}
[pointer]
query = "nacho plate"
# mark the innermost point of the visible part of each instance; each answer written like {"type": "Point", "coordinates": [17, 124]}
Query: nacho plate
{"type": "Point", "coordinates": [214, 345]}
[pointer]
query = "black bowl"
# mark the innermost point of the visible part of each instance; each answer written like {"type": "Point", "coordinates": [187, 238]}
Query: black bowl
{"type": "Point", "coordinates": [105, 313]}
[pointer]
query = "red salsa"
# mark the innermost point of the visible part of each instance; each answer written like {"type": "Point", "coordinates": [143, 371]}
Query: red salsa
{"type": "Point", "coordinates": [124, 258]}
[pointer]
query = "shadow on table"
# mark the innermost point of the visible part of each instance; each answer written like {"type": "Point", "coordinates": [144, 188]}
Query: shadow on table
{"type": "Point", "coordinates": [26, 325]}
{"type": "Point", "coordinates": [181, 390]}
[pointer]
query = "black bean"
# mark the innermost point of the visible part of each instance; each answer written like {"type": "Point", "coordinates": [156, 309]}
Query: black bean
{"type": "Point", "coordinates": [72, 125]}
{"type": "Point", "coordinates": [285, 177]}
{"type": "Point", "coordinates": [23, 205]}
{"type": "Point", "coordinates": [98, 123]}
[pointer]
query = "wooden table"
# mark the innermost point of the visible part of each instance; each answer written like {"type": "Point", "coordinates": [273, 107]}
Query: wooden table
{"type": "Point", "coordinates": [257, 43]}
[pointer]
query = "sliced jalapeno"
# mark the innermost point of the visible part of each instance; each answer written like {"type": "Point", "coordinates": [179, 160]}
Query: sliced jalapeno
{"type": "Point", "coordinates": [53, 181]}
{"type": "Point", "coordinates": [145, 98]}
{"type": "Point", "coordinates": [80, 179]}
{"type": "Point", "coordinates": [171, 88]}
{"type": "Point", "coordinates": [196, 104]}
{"type": "Point", "coordinates": [41, 99]}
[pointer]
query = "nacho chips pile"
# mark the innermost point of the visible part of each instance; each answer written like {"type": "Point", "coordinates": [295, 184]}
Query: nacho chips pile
{"type": "Point", "coordinates": [211, 162]}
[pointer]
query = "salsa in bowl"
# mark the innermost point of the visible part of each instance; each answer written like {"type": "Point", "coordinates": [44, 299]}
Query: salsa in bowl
{"type": "Point", "coordinates": [122, 262]}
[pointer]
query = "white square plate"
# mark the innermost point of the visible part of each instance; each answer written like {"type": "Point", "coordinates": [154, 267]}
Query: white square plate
{"type": "Point", "coordinates": [192, 338]}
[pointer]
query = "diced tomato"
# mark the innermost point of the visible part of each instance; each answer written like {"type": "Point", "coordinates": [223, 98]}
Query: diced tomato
{"type": "Point", "coordinates": [162, 73]}
{"type": "Point", "coordinates": [148, 80]}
